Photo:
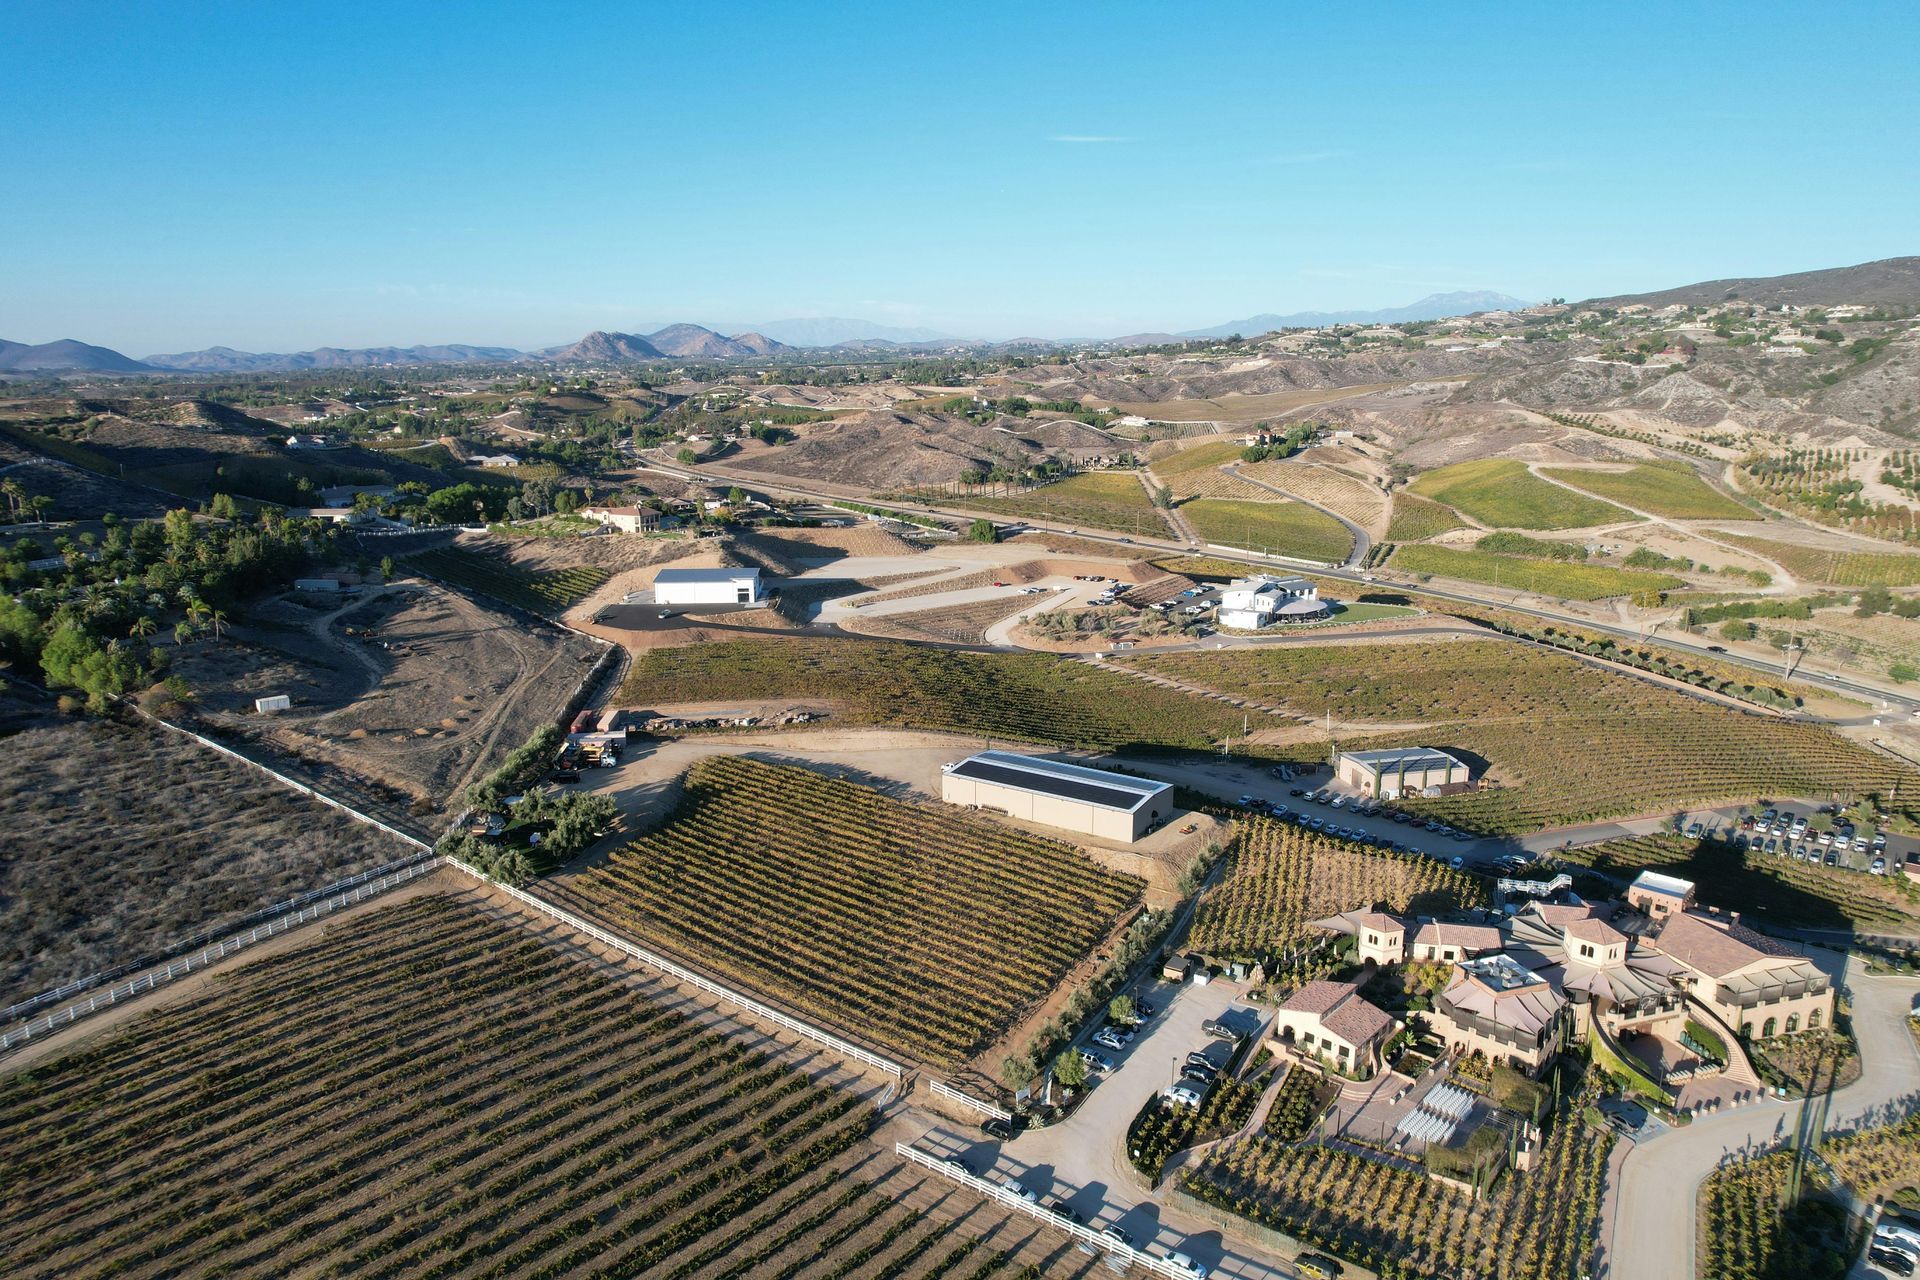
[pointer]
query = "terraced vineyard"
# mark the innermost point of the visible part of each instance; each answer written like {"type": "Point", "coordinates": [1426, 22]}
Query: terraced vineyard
{"type": "Point", "coordinates": [1281, 527]}
{"type": "Point", "coordinates": [549, 591]}
{"type": "Point", "coordinates": [426, 1092]}
{"type": "Point", "coordinates": [1416, 518]}
{"type": "Point", "coordinates": [1567, 580]}
{"type": "Point", "coordinates": [1837, 568]}
{"type": "Point", "coordinates": [1502, 494]}
{"type": "Point", "coordinates": [1565, 742]}
{"type": "Point", "coordinates": [1766, 887]}
{"type": "Point", "coordinates": [1113, 500]}
{"type": "Point", "coordinates": [1338, 492]}
{"type": "Point", "coordinates": [1541, 1225]}
{"type": "Point", "coordinates": [1280, 876]}
{"type": "Point", "coordinates": [1671, 489]}
{"type": "Point", "coordinates": [1028, 697]}
{"type": "Point", "coordinates": [1195, 472]}
{"type": "Point", "coordinates": [923, 930]}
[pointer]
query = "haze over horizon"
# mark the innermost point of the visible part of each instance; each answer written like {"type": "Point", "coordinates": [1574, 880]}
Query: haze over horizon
{"type": "Point", "coordinates": [486, 181]}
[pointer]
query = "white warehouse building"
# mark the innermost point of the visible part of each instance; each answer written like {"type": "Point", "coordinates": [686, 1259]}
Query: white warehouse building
{"type": "Point", "coordinates": [1250, 603]}
{"type": "Point", "coordinates": [707, 586]}
{"type": "Point", "coordinates": [1093, 802]}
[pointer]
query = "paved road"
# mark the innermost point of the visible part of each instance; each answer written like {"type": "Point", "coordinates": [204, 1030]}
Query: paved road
{"type": "Point", "coordinates": [1654, 1230]}
{"type": "Point", "coordinates": [1083, 1161]}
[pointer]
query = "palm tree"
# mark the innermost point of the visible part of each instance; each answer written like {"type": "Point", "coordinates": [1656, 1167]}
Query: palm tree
{"type": "Point", "coordinates": [143, 626]}
{"type": "Point", "coordinates": [182, 632]}
{"type": "Point", "coordinates": [15, 495]}
{"type": "Point", "coordinates": [219, 620]}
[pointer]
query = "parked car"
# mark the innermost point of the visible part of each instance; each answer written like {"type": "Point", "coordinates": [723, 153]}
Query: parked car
{"type": "Point", "coordinates": [1095, 1060]}
{"type": "Point", "coordinates": [1187, 1265]}
{"type": "Point", "coordinates": [1891, 1261]}
{"type": "Point", "coordinates": [1144, 1010]}
{"type": "Point", "coordinates": [1316, 1266]}
{"type": "Point", "coordinates": [1117, 1235]}
{"type": "Point", "coordinates": [1878, 867]}
{"type": "Point", "coordinates": [1693, 830]}
{"type": "Point", "coordinates": [1202, 1076]}
{"type": "Point", "coordinates": [1183, 1094]}
{"type": "Point", "coordinates": [959, 1166]}
{"type": "Point", "coordinates": [1107, 1040]}
{"type": "Point", "coordinates": [1456, 862]}
{"type": "Point", "coordinates": [995, 1127]}
{"type": "Point", "coordinates": [1062, 1210]}
{"type": "Point", "coordinates": [1022, 1190]}
{"type": "Point", "coordinates": [1199, 1059]}
{"type": "Point", "coordinates": [565, 775]}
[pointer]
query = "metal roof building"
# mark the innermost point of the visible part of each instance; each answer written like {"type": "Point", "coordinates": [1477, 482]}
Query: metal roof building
{"type": "Point", "coordinates": [1094, 802]}
{"type": "Point", "coordinates": [1402, 771]}
{"type": "Point", "coordinates": [707, 586]}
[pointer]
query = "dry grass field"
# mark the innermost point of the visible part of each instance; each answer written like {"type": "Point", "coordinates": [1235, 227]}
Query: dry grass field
{"type": "Point", "coordinates": [426, 1091]}
{"type": "Point", "coordinates": [122, 839]}
{"type": "Point", "coordinates": [416, 687]}
{"type": "Point", "coordinates": [1246, 409]}
{"type": "Point", "coordinates": [953, 624]}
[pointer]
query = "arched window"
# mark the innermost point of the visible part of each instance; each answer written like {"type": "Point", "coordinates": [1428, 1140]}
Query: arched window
{"type": "Point", "coordinates": [1793, 1023]}
{"type": "Point", "coordinates": [1813, 1020]}
{"type": "Point", "coordinates": [1767, 1031]}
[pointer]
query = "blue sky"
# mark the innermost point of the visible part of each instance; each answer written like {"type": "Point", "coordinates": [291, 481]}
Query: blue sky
{"type": "Point", "coordinates": [280, 176]}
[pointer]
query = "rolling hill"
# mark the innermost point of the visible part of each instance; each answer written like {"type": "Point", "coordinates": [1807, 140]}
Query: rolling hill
{"type": "Point", "coordinates": [1434, 306]}
{"type": "Point", "coordinates": [67, 354]}
{"type": "Point", "coordinates": [1889, 281]}
{"type": "Point", "coordinates": [228, 360]}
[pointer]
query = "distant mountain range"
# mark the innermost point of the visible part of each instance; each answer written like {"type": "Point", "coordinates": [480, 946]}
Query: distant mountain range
{"type": "Point", "coordinates": [1435, 306]}
{"type": "Point", "coordinates": [834, 331]}
{"type": "Point", "coordinates": [227, 360]}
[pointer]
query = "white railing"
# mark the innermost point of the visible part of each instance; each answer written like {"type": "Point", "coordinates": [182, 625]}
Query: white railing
{"type": "Point", "coordinates": [1536, 888]}
{"type": "Point", "coordinates": [941, 1089]}
{"type": "Point", "coordinates": [682, 974]}
{"type": "Point", "coordinates": [211, 954]}
{"type": "Point", "coordinates": [1013, 1200]}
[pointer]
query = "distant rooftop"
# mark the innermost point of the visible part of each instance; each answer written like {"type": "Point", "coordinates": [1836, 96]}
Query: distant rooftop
{"type": "Point", "coordinates": [1059, 779]}
{"type": "Point", "coordinates": [1501, 972]}
{"type": "Point", "coordinates": [1654, 882]}
{"type": "Point", "coordinates": [1411, 759]}
{"type": "Point", "coordinates": [706, 576]}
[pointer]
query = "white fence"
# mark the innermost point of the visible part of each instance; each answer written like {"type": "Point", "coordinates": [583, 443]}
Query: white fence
{"type": "Point", "coordinates": [211, 954]}
{"type": "Point", "coordinates": [1012, 1200]}
{"type": "Point", "coordinates": [940, 1088]}
{"type": "Point", "coordinates": [692, 979]}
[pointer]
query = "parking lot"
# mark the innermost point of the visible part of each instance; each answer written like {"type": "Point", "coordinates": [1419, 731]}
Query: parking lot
{"type": "Point", "coordinates": [1082, 1161]}
{"type": "Point", "coordinates": [1804, 833]}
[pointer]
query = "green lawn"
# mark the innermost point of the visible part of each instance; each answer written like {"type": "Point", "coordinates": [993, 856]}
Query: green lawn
{"type": "Point", "coordinates": [1283, 528]}
{"type": "Point", "coordinates": [1567, 580]}
{"type": "Point", "coordinates": [1502, 494]}
{"type": "Point", "coordinates": [1673, 490]}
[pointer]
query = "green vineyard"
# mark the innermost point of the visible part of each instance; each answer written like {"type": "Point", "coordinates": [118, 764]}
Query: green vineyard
{"type": "Point", "coordinates": [549, 591]}
{"type": "Point", "coordinates": [428, 1092]}
{"type": "Point", "coordinates": [918, 930]}
{"type": "Point", "coordinates": [1029, 697]}
{"type": "Point", "coordinates": [1280, 876]}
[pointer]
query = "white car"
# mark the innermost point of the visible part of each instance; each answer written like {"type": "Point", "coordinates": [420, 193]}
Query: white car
{"type": "Point", "coordinates": [1024, 1192]}
{"type": "Point", "coordinates": [1187, 1265]}
{"type": "Point", "coordinates": [1183, 1094]}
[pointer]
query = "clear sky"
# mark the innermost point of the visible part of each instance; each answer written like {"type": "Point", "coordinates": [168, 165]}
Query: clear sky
{"type": "Point", "coordinates": [276, 176]}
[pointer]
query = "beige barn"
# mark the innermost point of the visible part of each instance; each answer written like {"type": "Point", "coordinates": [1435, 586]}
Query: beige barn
{"type": "Point", "coordinates": [1403, 771]}
{"type": "Point", "coordinates": [1091, 802]}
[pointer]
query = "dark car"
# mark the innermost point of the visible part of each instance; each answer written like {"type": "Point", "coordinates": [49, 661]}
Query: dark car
{"type": "Point", "coordinates": [1142, 1010]}
{"type": "Point", "coordinates": [1062, 1210]}
{"type": "Point", "coordinates": [565, 775]}
{"type": "Point", "coordinates": [998, 1128]}
{"type": "Point", "coordinates": [1890, 1260]}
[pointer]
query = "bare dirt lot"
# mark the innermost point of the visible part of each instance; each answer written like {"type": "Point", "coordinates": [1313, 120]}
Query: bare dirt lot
{"type": "Point", "coordinates": [413, 686]}
{"type": "Point", "coordinates": [122, 838]}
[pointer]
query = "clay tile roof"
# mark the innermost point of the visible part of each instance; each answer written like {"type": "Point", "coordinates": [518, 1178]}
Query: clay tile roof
{"type": "Point", "coordinates": [1473, 937]}
{"type": "Point", "coordinates": [1596, 931]}
{"type": "Point", "coordinates": [1318, 996]}
{"type": "Point", "coordinates": [1357, 1022]}
{"type": "Point", "coordinates": [1379, 920]}
{"type": "Point", "coordinates": [1716, 948]}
